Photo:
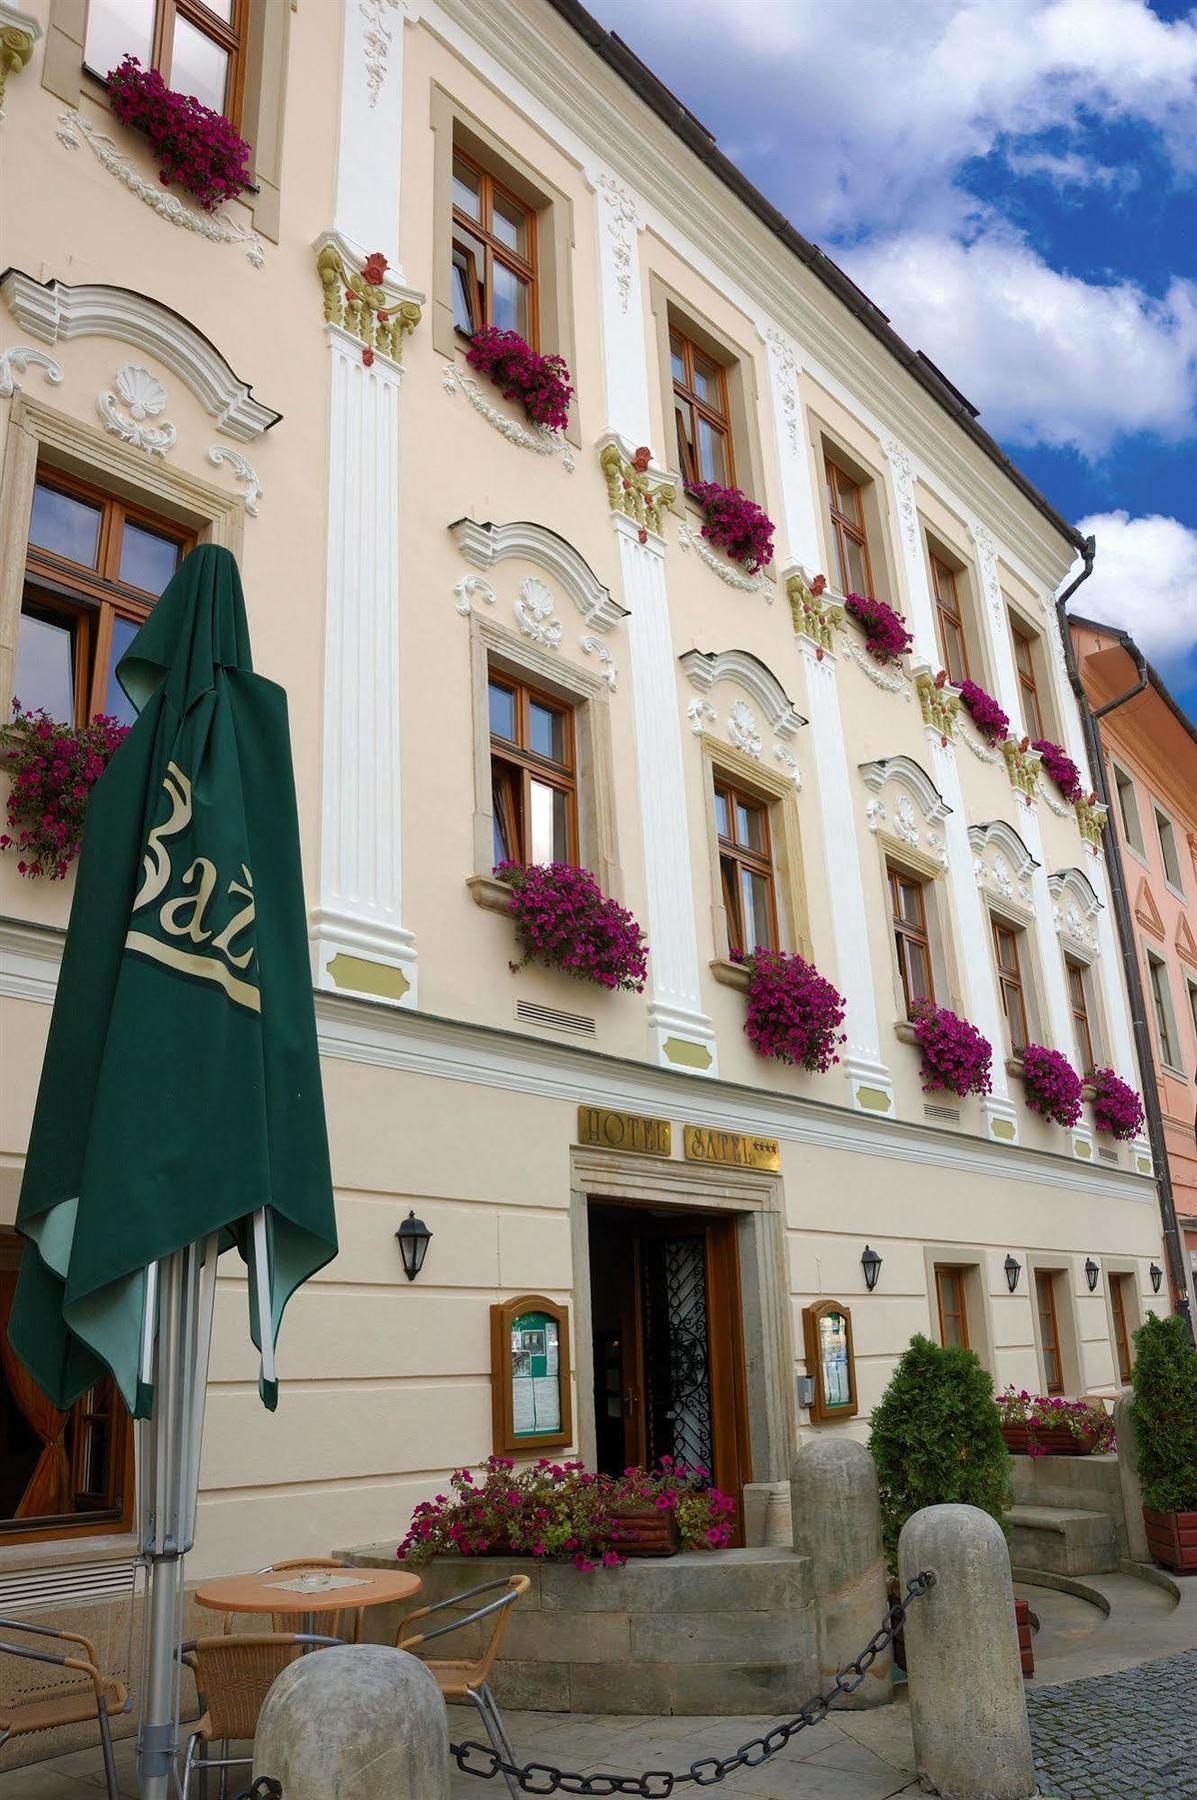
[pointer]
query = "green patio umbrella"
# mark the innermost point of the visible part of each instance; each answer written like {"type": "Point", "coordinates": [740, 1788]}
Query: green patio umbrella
{"type": "Point", "coordinates": [180, 1111]}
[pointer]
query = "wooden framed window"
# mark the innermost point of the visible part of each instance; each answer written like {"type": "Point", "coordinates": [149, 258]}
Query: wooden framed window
{"type": "Point", "coordinates": [1009, 968]}
{"type": "Point", "coordinates": [1128, 808]}
{"type": "Point", "coordinates": [949, 1299]}
{"type": "Point", "coordinates": [197, 46]}
{"type": "Point", "coordinates": [1161, 1000]}
{"type": "Point", "coordinates": [949, 622]}
{"type": "Point", "coordinates": [62, 1474]}
{"type": "Point", "coordinates": [700, 408]}
{"type": "Point", "coordinates": [830, 1361]}
{"type": "Point", "coordinates": [908, 910]}
{"type": "Point", "coordinates": [746, 869]}
{"type": "Point", "coordinates": [1028, 687]}
{"type": "Point", "coordinates": [846, 501]}
{"type": "Point", "coordinates": [1167, 837]}
{"type": "Point", "coordinates": [494, 254]}
{"type": "Point", "coordinates": [1122, 1337]}
{"type": "Point", "coordinates": [1049, 1331]}
{"type": "Point", "coordinates": [94, 567]}
{"type": "Point", "coordinates": [531, 1407]}
{"type": "Point", "coordinates": [1078, 999]}
{"type": "Point", "coordinates": [533, 774]}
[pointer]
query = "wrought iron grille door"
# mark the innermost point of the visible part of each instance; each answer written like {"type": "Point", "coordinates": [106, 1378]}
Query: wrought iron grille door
{"type": "Point", "coordinates": [678, 1414]}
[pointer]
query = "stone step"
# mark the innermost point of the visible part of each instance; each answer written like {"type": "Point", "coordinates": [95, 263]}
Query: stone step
{"type": "Point", "coordinates": [1062, 1540]}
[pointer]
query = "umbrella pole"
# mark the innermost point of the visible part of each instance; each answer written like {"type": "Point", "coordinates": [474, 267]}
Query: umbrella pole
{"type": "Point", "coordinates": [180, 1293]}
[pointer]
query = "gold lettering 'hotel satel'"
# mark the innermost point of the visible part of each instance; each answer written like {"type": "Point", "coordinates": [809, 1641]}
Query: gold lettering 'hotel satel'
{"type": "Point", "coordinates": [505, 641]}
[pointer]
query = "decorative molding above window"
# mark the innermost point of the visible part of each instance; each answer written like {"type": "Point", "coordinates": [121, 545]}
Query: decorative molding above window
{"type": "Point", "coordinates": [1002, 863]}
{"type": "Point", "coordinates": [53, 310]}
{"type": "Point", "coordinates": [485, 545]}
{"type": "Point", "coordinates": [17, 360]}
{"type": "Point", "coordinates": [244, 471]}
{"type": "Point", "coordinates": [906, 773]}
{"type": "Point", "coordinates": [704, 668]}
{"type": "Point", "coordinates": [139, 398]}
{"type": "Point", "coordinates": [1075, 907]}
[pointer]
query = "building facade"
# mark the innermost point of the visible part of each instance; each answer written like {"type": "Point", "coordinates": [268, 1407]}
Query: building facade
{"type": "Point", "coordinates": [1151, 774]}
{"type": "Point", "coordinates": [501, 640]}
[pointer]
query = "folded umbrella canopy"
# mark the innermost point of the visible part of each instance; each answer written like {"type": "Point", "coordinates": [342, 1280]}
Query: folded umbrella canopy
{"type": "Point", "coordinates": [180, 1110]}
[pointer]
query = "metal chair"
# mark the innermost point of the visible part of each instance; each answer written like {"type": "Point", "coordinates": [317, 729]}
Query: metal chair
{"type": "Point", "coordinates": [233, 1675]}
{"type": "Point", "coordinates": [48, 1706]}
{"type": "Point", "coordinates": [467, 1678]}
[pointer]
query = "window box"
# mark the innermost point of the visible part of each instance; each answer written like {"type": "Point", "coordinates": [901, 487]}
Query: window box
{"type": "Point", "coordinates": [193, 144]}
{"type": "Point", "coordinates": [731, 974]}
{"type": "Point", "coordinates": [491, 895]}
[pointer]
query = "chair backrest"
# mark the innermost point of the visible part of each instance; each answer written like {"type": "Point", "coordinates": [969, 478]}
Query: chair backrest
{"type": "Point", "coordinates": [234, 1675]}
{"type": "Point", "coordinates": [498, 1610]}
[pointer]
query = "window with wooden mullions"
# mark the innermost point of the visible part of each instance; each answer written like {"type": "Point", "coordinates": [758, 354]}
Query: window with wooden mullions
{"type": "Point", "coordinates": [846, 502]}
{"type": "Point", "coordinates": [94, 567]}
{"type": "Point", "coordinates": [953, 1314]}
{"type": "Point", "coordinates": [746, 870]}
{"type": "Point", "coordinates": [1079, 1001]}
{"type": "Point", "coordinates": [1028, 686]}
{"type": "Point", "coordinates": [1122, 1339]}
{"type": "Point", "coordinates": [1049, 1331]}
{"type": "Point", "coordinates": [704, 442]}
{"type": "Point", "coordinates": [197, 46]}
{"type": "Point", "coordinates": [1009, 968]}
{"type": "Point", "coordinates": [949, 621]}
{"type": "Point", "coordinates": [909, 917]}
{"type": "Point", "coordinates": [494, 254]}
{"type": "Point", "coordinates": [533, 775]}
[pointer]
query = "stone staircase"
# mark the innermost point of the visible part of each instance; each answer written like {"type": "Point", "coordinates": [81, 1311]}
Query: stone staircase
{"type": "Point", "coordinates": [1062, 1540]}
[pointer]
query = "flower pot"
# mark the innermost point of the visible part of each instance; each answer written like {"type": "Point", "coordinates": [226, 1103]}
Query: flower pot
{"type": "Point", "coordinates": [646, 1532]}
{"type": "Point", "coordinates": [1172, 1538]}
{"type": "Point", "coordinates": [1048, 1440]}
{"type": "Point", "coordinates": [1026, 1650]}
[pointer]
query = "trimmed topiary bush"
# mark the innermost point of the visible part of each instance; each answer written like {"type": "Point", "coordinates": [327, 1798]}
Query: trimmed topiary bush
{"type": "Point", "coordinates": [936, 1439]}
{"type": "Point", "coordinates": [1164, 1411]}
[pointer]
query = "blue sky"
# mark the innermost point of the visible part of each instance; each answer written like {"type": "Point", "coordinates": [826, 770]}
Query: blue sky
{"type": "Point", "coordinates": [1015, 183]}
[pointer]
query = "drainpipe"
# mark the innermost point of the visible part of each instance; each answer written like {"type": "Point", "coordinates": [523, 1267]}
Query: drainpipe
{"type": "Point", "coordinates": [1126, 934]}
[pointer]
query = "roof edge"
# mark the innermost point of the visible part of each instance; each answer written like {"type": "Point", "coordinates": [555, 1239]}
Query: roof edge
{"type": "Point", "coordinates": [1123, 637]}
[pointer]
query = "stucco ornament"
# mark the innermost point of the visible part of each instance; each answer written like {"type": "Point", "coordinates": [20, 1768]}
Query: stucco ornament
{"type": "Point", "coordinates": [361, 302]}
{"type": "Point", "coordinates": [902, 470]}
{"type": "Point", "coordinates": [987, 557]}
{"type": "Point", "coordinates": [940, 705]}
{"type": "Point", "coordinates": [973, 743]}
{"type": "Point", "coordinates": [1002, 863]}
{"type": "Point", "coordinates": [1023, 767]}
{"type": "Point", "coordinates": [622, 227]}
{"type": "Point", "coordinates": [18, 359]}
{"type": "Point", "coordinates": [1091, 818]}
{"type": "Point", "coordinates": [592, 646]}
{"type": "Point", "coordinates": [741, 728]}
{"type": "Point", "coordinates": [469, 589]}
{"type": "Point", "coordinates": [814, 616]}
{"type": "Point", "coordinates": [217, 227]}
{"type": "Point", "coordinates": [692, 539]}
{"type": "Point", "coordinates": [145, 398]}
{"type": "Point", "coordinates": [18, 34]}
{"type": "Point", "coordinates": [789, 763]}
{"type": "Point", "coordinates": [890, 682]}
{"type": "Point", "coordinates": [244, 470]}
{"type": "Point", "coordinates": [633, 490]}
{"type": "Point", "coordinates": [535, 616]}
{"type": "Point", "coordinates": [783, 359]}
{"type": "Point", "coordinates": [455, 380]}
{"type": "Point", "coordinates": [701, 714]}
{"type": "Point", "coordinates": [905, 824]}
{"type": "Point", "coordinates": [377, 41]}
{"type": "Point", "coordinates": [876, 815]}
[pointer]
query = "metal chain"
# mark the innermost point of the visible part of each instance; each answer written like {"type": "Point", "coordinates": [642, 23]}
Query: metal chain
{"type": "Point", "coordinates": [264, 1788]}
{"type": "Point", "coordinates": [473, 1758]}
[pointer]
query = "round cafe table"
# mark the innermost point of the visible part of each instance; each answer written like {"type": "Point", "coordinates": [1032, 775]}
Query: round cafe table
{"type": "Point", "coordinates": [276, 1591]}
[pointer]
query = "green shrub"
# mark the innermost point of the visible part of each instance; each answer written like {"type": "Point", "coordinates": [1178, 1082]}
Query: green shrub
{"type": "Point", "coordinates": [936, 1438]}
{"type": "Point", "coordinates": [1164, 1411]}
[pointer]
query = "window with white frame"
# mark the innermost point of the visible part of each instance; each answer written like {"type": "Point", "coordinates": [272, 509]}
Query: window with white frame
{"type": "Point", "coordinates": [1128, 808]}
{"type": "Point", "coordinates": [1160, 989]}
{"type": "Point", "coordinates": [1168, 852]}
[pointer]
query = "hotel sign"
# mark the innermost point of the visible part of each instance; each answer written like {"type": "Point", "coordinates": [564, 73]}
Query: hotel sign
{"type": "Point", "coordinates": [624, 1131]}
{"type": "Point", "coordinates": [701, 1143]}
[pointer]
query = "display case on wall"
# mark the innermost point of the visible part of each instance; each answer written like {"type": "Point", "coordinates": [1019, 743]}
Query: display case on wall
{"type": "Point", "coordinates": [830, 1361]}
{"type": "Point", "coordinates": [530, 1393]}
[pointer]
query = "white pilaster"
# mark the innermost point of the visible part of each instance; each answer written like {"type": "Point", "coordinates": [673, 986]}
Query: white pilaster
{"type": "Point", "coordinates": [798, 517]}
{"type": "Point", "coordinates": [369, 156]}
{"type": "Point", "coordinates": [625, 362]}
{"type": "Point", "coordinates": [921, 614]}
{"type": "Point", "coordinates": [867, 1073]}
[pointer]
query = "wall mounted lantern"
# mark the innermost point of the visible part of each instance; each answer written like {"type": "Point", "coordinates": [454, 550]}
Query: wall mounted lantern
{"type": "Point", "coordinates": [1157, 1275]}
{"type": "Point", "coordinates": [414, 1238]}
{"type": "Point", "coordinates": [870, 1262]}
{"type": "Point", "coordinates": [1013, 1271]}
{"type": "Point", "coordinates": [1091, 1273]}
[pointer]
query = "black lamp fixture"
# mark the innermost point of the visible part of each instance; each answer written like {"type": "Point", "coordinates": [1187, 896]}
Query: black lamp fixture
{"type": "Point", "coordinates": [1013, 1271]}
{"type": "Point", "coordinates": [1157, 1275]}
{"type": "Point", "coordinates": [1091, 1273]}
{"type": "Point", "coordinates": [414, 1238]}
{"type": "Point", "coordinates": [870, 1262]}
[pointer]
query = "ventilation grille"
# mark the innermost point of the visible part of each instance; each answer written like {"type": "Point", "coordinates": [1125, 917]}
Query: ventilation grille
{"type": "Point", "coordinates": [1107, 1155]}
{"type": "Point", "coordinates": [948, 1114]}
{"type": "Point", "coordinates": [74, 1585]}
{"type": "Point", "coordinates": [551, 1018]}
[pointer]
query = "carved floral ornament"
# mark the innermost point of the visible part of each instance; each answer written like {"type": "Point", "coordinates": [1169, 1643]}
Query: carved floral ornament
{"type": "Point", "coordinates": [906, 805]}
{"type": "Point", "coordinates": [1075, 907]}
{"type": "Point", "coordinates": [1002, 864]}
{"type": "Point", "coordinates": [139, 398]}
{"type": "Point", "coordinates": [634, 490]}
{"type": "Point", "coordinates": [361, 301]}
{"type": "Point", "coordinates": [744, 728]}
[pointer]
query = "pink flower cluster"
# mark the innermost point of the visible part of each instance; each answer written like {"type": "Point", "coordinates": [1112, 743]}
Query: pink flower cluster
{"type": "Point", "coordinates": [540, 383]}
{"type": "Point", "coordinates": [1052, 1085]}
{"type": "Point", "coordinates": [1083, 1418]}
{"type": "Point", "coordinates": [1061, 768]}
{"type": "Point", "coordinates": [53, 769]}
{"type": "Point", "coordinates": [1117, 1108]}
{"type": "Point", "coordinates": [195, 147]}
{"type": "Point", "coordinates": [987, 715]}
{"type": "Point", "coordinates": [886, 636]}
{"type": "Point", "coordinates": [562, 1512]}
{"type": "Point", "coordinates": [564, 920]}
{"type": "Point", "coordinates": [794, 1013]}
{"type": "Point", "coordinates": [955, 1054]}
{"type": "Point", "coordinates": [735, 523]}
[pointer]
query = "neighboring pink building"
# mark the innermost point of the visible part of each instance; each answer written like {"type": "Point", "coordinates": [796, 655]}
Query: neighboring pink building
{"type": "Point", "coordinates": [1151, 766]}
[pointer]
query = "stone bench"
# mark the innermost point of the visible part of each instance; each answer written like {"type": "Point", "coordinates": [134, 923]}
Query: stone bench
{"type": "Point", "coordinates": [1062, 1540]}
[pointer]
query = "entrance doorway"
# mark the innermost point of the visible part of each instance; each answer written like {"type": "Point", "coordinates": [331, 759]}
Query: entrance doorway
{"type": "Point", "coordinates": [668, 1342]}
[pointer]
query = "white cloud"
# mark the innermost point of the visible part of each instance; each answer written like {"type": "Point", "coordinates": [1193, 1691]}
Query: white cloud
{"type": "Point", "coordinates": [1073, 170]}
{"type": "Point", "coordinates": [1145, 581]}
{"type": "Point", "coordinates": [1048, 358]}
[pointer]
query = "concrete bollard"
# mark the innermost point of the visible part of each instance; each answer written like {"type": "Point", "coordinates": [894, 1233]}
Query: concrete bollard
{"type": "Point", "coordinates": [1128, 1476]}
{"type": "Point", "coordinates": [358, 1722]}
{"type": "Point", "coordinates": [837, 1524]}
{"type": "Point", "coordinates": [972, 1739]}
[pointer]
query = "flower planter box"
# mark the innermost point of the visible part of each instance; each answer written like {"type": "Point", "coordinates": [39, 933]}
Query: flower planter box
{"type": "Point", "coordinates": [647, 1533]}
{"type": "Point", "coordinates": [1026, 1649]}
{"type": "Point", "coordinates": [1172, 1538]}
{"type": "Point", "coordinates": [1050, 1440]}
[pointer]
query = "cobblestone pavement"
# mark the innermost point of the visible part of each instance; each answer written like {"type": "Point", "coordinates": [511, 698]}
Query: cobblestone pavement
{"type": "Point", "coordinates": [1131, 1736]}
